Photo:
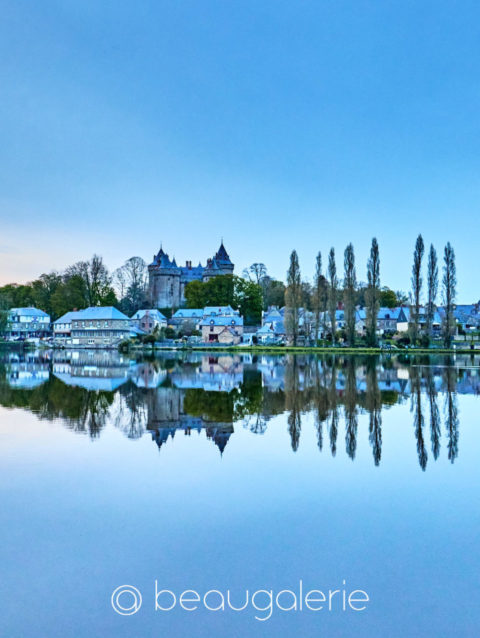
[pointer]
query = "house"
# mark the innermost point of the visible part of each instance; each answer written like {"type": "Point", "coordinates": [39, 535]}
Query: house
{"type": "Point", "coordinates": [266, 335]}
{"type": "Point", "coordinates": [62, 327]}
{"type": "Point", "coordinates": [387, 319]}
{"type": "Point", "coordinates": [404, 319]}
{"type": "Point", "coordinates": [220, 329]}
{"type": "Point", "coordinates": [274, 320]}
{"type": "Point", "coordinates": [148, 320]}
{"type": "Point", "coordinates": [467, 316]}
{"type": "Point", "coordinates": [27, 323]}
{"type": "Point", "coordinates": [99, 327]}
{"type": "Point", "coordinates": [186, 319]}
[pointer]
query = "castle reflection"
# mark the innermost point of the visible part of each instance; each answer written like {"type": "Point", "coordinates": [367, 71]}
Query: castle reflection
{"type": "Point", "coordinates": [211, 394]}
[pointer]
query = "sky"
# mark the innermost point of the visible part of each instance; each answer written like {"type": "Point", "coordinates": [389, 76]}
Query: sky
{"type": "Point", "coordinates": [276, 125]}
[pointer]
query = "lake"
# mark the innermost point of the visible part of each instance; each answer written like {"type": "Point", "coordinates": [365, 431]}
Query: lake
{"type": "Point", "coordinates": [329, 496]}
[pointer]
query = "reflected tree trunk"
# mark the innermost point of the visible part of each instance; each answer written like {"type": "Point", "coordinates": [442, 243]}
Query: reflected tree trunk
{"type": "Point", "coordinates": [321, 401]}
{"type": "Point", "coordinates": [351, 413]}
{"type": "Point", "coordinates": [334, 416]}
{"type": "Point", "coordinates": [435, 431]}
{"type": "Point", "coordinates": [451, 414]}
{"type": "Point", "coordinates": [418, 420]}
{"type": "Point", "coordinates": [374, 407]}
{"type": "Point", "coordinates": [292, 400]}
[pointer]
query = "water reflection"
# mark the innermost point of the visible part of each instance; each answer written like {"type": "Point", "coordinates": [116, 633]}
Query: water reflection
{"type": "Point", "coordinates": [207, 394]}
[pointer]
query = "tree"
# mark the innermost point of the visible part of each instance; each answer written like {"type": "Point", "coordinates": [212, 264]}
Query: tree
{"type": "Point", "coordinates": [372, 294]}
{"type": "Point", "coordinates": [388, 298]}
{"type": "Point", "coordinates": [449, 282]}
{"type": "Point", "coordinates": [4, 308]}
{"type": "Point", "coordinates": [256, 272]}
{"type": "Point", "coordinates": [247, 297]}
{"type": "Point", "coordinates": [70, 295]}
{"type": "Point", "coordinates": [318, 284]}
{"type": "Point", "coordinates": [131, 280]}
{"type": "Point", "coordinates": [98, 283]}
{"type": "Point", "coordinates": [43, 289]}
{"type": "Point", "coordinates": [273, 292]}
{"type": "Point", "coordinates": [293, 298]}
{"type": "Point", "coordinates": [417, 282]}
{"type": "Point", "coordinates": [332, 292]}
{"type": "Point", "coordinates": [432, 284]}
{"type": "Point", "coordinates": [195, 294]}
{"type": "Point", "coordinates": [219, 291]}
{"type": "Point", "coordinates": [349, 285]}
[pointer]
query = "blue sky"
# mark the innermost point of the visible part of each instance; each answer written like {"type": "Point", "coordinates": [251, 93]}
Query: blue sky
{"type": "Point", "coordinates": [276, 125]}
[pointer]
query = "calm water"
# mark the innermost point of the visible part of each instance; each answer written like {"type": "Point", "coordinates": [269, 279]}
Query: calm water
{"type": "Point", "coordinates": [239, 473]}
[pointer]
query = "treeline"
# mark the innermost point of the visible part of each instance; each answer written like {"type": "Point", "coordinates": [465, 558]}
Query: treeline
{"type": "Point", "coordinates": [83, 284]}
{"type": "Point", "coordinates": [328, 291]}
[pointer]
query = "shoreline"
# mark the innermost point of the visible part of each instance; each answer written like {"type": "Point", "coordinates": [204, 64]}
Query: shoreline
{"type": "Point", "coordinates": [259, 349]}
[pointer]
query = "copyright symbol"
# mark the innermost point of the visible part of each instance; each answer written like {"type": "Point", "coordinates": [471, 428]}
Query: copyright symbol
{"type": "Point", "coordinates": [131, 595]}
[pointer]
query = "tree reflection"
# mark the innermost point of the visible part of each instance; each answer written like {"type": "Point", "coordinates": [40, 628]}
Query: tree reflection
{"type": "Point", "coordinates": [351, 413]}
{"type": "Point", "coordinates": [292, 401]}
{"type": "Point", "coordinates": [451, 413]}
{"type": "Point", "coordinates": [418, 419]}
{"type": "Point", "coordinates": [373, 402]}
{"type": "Point", "coordinates": [321, 405]}
{"type": "Point", "coordinates": [334, 416]}
{"type": "Point", "coordinates": [435, 432]}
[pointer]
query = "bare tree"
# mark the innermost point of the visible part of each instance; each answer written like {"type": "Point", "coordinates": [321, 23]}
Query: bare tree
{"type": "Point", "coordinates": [131, 278]}
{"type": "Point", "coordinates": [449, 293]}
{"type": "Point", "coordinates": [332, 292]}
{"type": "Point", "coordinates": [256, 272]}
{"type": "Point", "coordinates": [372, 294]}
{"type": "Point", "coordinates": [417, 282]}
{"type": "Point", "coordinates": [349, 286]}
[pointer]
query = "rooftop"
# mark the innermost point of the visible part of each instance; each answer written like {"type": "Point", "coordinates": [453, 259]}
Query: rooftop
{"type": "Point", "coordinates": [28, 312]}
{"type": "Point", "coordinates": [100, 312]}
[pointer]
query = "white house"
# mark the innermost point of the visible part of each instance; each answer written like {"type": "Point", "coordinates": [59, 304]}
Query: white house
{"type": "Point", "coordinates": [26, 323]}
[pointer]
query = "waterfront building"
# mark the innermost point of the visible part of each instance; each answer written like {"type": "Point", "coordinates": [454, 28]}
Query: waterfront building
{"type": "Point", "coordinates": [222, 329]}
{"type": "Point", "coordinates": [62, 327]}
{"type": "Point", "coordinates": [99, 327]}
{"type": "Point", "coordinates": [148, 320]}
{"type": "Point", "coordinates": [27, 323]}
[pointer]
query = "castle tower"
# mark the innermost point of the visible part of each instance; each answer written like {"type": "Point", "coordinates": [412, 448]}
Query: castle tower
{"type": "Point", "coordinates": [220, 264]}
{"type": "Point", "coordinates": [164, 282]}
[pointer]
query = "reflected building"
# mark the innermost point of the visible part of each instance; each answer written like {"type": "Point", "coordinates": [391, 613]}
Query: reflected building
{"type": "Point", "coordinates": [26, 370]}
{"type": "Point", "coordinates": [94, 370]}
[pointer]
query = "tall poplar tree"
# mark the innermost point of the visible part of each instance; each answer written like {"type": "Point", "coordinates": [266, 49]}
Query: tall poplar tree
{"type": "Point", "coordinates": [417, 282]}
{"type": "Point", "coordinates": [432, 285]}
{"type": "Point", "coordinates": [293, 298]}
{"type": "Point", "coordinates": [349, 286]}
{"type": "Point", "coordinates": [372, 294]}
{"type": "Point", "coordinates": [318, 285]}
{"type": "Point", "coordinates": [332, 292]}
{"type": "Point", "coordinates": [449, 282]}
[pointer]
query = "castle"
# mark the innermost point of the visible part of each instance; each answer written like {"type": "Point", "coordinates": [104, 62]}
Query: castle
{"type": "Point", "coordinates": [167, 281]}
